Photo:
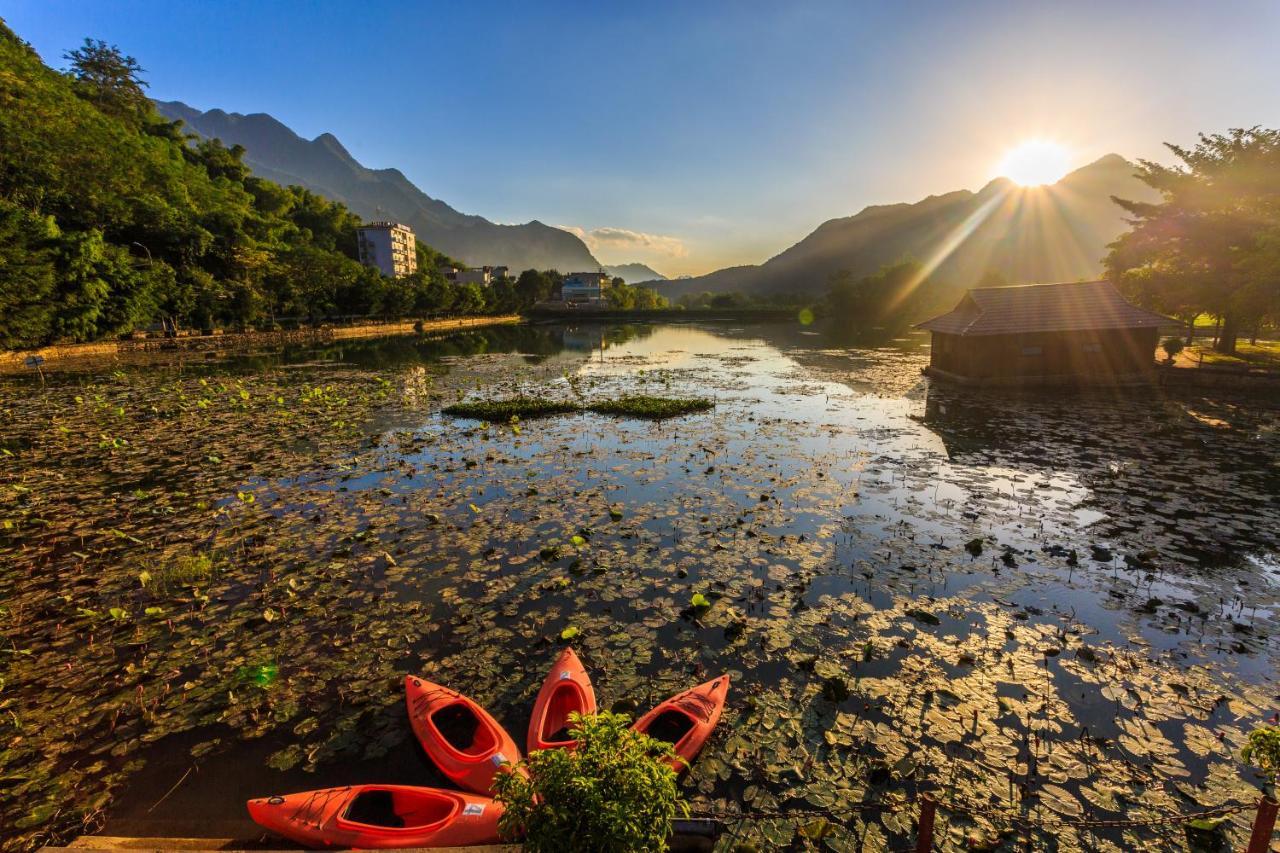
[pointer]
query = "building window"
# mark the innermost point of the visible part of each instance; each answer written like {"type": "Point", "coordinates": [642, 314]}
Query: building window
{"type": "Point", "coordinates": [1091, 347]}
{"type": "Point", "coordinates": [1033, 350]}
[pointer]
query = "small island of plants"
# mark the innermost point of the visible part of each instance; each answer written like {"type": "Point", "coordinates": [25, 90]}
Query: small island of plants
{"type": "Point", "coordinates": [633, 406]}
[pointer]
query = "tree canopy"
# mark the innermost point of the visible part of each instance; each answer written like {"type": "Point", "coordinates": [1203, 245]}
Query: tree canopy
{"type": "Point", "coordinates": [1212, 244]}
{"type": "Point", "coordinates": [113, 219]}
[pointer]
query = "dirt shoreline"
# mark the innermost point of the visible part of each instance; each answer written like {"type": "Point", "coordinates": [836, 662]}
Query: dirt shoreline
{"type": "Point", "coordinates": [15, 361]}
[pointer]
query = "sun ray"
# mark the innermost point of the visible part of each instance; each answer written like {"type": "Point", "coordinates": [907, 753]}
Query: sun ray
{"type": "Point", "coordinates": [948, 245]}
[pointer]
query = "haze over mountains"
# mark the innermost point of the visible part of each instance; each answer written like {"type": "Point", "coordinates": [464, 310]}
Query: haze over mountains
{"type": "Point", "coordinates": [1057, 232]}
{"type": "Point", "coordinates": [323, 165]}
{"type": "Point", "coordinates": [632, 273]}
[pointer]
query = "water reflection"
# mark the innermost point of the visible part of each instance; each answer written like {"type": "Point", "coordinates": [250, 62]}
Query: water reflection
{"type": "Point", "coordinates": [847, 515]}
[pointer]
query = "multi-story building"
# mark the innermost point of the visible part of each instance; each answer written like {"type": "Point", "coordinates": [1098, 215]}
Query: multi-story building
{"type": "Point", "coordinates": [475, 275]}
{"type": "Point", "coordinates": [483, 276]}
{"type": "Point", "coordinates": [585, 288]}
{"type": "Point", "coordinates": [389, 247]}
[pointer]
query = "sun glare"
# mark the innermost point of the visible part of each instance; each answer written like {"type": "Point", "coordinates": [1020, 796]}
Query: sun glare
{"type": "Point", "coordinates": [1035, 162]}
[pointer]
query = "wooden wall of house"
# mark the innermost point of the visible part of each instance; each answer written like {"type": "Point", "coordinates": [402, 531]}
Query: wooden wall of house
{"type": "Point", "coordinates": [1094, 355]}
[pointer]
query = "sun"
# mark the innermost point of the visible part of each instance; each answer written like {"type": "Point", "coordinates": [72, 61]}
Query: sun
{"type": "Point", "coordinates": [1035, 162]}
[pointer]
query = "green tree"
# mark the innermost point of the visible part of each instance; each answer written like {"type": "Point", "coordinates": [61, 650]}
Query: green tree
{"type": "Point", "coordinates": [113, 219]}
{"type": "Point", "coordinates": [1207, 245]}
{"type": "Point", "coordinates": [27, 277]}
{"type": "Point", "coordinates": [109, 79]}
{"type": "Point", "coordinates": [895, 295]}
{"type": "Point", "coordinates": [532, 287]}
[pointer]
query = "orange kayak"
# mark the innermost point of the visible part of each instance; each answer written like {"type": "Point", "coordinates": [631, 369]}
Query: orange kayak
{"type": "Point", "coordinates": [566, 690]}
{"type": "Point", "coordinates": [461, 738]}
{"type": "Point", "coordinates": [687, 718]}
{"type": "Point", "coordinates": [372, 817]}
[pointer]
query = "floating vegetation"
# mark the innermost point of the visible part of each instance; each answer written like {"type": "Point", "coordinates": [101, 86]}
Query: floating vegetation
{"type": "Point", "coordinates": [512, 409]}
{"type": "Point", "coordinates": [644, 406]}
{"type": "Point", "coordinates": [240, 578]}
{"type": "Point", "coordinates": [517, 408]}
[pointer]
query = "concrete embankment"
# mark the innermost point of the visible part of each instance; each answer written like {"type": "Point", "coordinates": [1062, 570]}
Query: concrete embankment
{"type": "Point", "coordinates": [55, 356]}
{"type": "Point", "coordinates": [664, 315]}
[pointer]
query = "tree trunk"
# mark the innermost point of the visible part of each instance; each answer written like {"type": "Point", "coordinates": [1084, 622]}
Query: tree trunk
{"type": "Point", "coordinates": [1217, 330]}
{"type": "Point", "coordinates": [1191, 331]}
{"type": "Point", "coordinates": [1227, 337]}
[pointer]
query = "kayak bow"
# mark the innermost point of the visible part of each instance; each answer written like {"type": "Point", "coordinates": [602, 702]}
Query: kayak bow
{"type": "Point", "coordinates": [463, 740]}
{"type": "Point", "coordinates": [566, 690]}
{"type": "Point", "coordinates": [687, 719]}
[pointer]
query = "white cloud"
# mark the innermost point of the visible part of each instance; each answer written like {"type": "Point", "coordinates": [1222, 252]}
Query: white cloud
{"type": "Point", "coordinates": [622, 241]}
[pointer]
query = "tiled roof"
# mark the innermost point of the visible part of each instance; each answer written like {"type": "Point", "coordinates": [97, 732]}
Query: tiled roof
{"type": "Point", "coordinates": [1066, 307]}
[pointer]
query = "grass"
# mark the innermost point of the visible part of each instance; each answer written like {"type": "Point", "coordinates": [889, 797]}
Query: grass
{"type": "Point", "coordinates": [502, 411]}
{"type": "Point", "coordinates": [644, 406]}
{"type": "Point", "coordinates": [1261, 354]}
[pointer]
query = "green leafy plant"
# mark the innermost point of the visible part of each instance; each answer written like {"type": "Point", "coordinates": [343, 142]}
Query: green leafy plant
{"type": "Point", "coordinates": [645, 406]}
{"type": "Point", "coordinates": [1263, 751]}
{"type": "Point", "coordinates": [615, 791]}
{"type": "Point", "coordinates": [502, 411]}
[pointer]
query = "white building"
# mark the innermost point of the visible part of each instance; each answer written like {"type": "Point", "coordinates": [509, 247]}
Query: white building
{"type": "Point", "coordinates": [585, 288]}
{"type": "Point", "coordinates": [389, 247]}
{"type": "Point", "coordinates": [475, 275]}
{"type": "Point", "coordinates": [482, 276]}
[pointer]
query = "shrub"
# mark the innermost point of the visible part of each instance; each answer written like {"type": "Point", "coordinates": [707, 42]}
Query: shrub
{"type": "Point", "coordinates": [613, 792]}
{"type": "Point", "coordinates": [1263, 752]}
{"type": "Point", "coordinates": [1172, 345]}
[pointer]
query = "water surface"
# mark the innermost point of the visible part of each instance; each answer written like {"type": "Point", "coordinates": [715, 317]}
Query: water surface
{"type": "Point", "coordinates": [1033, 603]}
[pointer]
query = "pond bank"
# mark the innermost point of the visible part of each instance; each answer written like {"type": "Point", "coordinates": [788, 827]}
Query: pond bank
{"type": "Point", "coordinates": [189, 845]}
{"type": "Point", "coordinates": [15, 361]}
{"type": "Point", "coordinates": [665, 315]}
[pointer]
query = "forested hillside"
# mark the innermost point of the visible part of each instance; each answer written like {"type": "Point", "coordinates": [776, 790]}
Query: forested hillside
{"type": "Point", "coordinates": [324, 165]}
{"type": "Point", "coordinates": [112, 220]}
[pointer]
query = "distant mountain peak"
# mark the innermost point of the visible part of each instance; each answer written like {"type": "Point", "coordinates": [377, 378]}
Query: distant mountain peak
{"type": "Point", "coordinates": [634, 272]}
{"type": "Point", "coordinates": [962, 235]}
{"type": "Point", "coordinates": [324, 165]}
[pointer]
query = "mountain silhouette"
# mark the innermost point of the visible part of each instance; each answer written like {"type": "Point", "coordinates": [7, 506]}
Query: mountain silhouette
{"type": "Point", "coordinates": [1057, 232]}
{"type": "Point", "coordinates": [634, 272]}
{"type": "Point", "coordinates": [323, 165]}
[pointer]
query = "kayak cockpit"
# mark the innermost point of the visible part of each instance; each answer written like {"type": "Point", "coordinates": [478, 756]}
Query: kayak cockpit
{"type": "Point", "coordinates": [672, 725]}
{"type": "Point", "coordinates": [461, 730]}
{"type": "Point", "coordinates": [567, 698]}
{"type": "Point", "coordinates": [418, 810]}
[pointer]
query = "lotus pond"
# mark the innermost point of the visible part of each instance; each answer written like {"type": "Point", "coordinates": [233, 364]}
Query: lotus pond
{"type": "Point", "coordinates": [1040, 607]}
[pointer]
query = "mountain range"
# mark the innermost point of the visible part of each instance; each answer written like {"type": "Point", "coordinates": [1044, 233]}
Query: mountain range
{"type": "Point", "coordinates": [323, 165]}
{"type": "Point", "coordinates": [1056, 232]}
{"type": "Point", "coordinates": [635, 272]}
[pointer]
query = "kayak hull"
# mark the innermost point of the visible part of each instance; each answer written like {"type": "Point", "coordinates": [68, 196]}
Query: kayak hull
{"type": "Point", "coordinates": [687, 719]}
{"type": "Point", "coordinates": [566, 690]}
{"type": "Point", "coordinates": [379, 817]}
{"type": "Point", "coordinates": [470, 759]}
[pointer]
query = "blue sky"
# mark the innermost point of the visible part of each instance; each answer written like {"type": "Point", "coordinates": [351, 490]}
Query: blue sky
{"type": "Point", "coordinates": [697, 135]}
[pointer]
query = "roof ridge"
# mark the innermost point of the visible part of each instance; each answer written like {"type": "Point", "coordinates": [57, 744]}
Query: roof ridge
{"type": "Point", "coordinates": [1040, 284]}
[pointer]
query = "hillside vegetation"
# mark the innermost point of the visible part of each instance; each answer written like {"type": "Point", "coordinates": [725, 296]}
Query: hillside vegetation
{"type": "Point", "coordinates": [324, 165]}
{"type": "Point", "coordinates": [112, 220]}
